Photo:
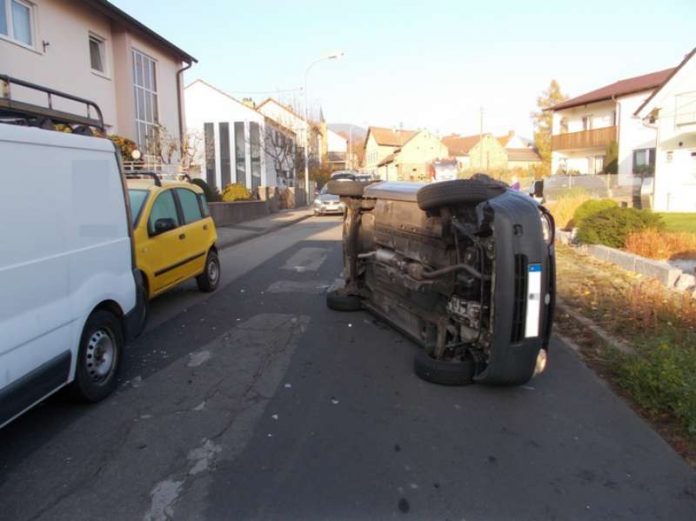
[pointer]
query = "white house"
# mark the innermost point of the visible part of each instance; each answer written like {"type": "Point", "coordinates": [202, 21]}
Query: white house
{"type": "Point", "coordinates": [94, 50]}
{"type": "Point", "coordinates": [236, 143]}
{"type": "Point", "coordinates": [337, 150]}
{"type": "Point", "coordinates": [585, 125]}
{"type": "Point", "coordinates": [670, 112]}
{"type": "Point", "coordinates": [289, 118]}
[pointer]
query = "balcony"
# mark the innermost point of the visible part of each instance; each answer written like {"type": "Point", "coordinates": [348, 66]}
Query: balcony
{"type": "Point", "coordinates": [595, 138]}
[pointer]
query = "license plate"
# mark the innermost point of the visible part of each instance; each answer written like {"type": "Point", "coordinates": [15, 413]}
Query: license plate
{"type": "Point", "coordinates": [533, 301]}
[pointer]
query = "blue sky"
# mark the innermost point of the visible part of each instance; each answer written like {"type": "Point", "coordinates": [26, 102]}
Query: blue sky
{"type": "Point", "coordinates": [427, 64]}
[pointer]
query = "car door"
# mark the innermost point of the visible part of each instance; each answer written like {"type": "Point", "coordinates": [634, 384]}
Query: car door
{"type": "Point", "coordinates": [196, 228]}
{"type": "Point", "coordinates": [164, 251]}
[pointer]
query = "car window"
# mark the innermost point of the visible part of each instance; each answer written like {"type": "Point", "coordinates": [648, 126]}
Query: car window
{"type": "Point", "coordinates": [164, 208]}
{"type": "Point", "coordinates": [204, 205]}
{"type": "Point", "coordinates": [324, 190]}
{"type": "Point", "coordinates": [137, 199]}
{"type": "Point", "coordinates": [189, 205]}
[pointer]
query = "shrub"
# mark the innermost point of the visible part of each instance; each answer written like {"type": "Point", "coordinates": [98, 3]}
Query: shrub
{"type": "Point", "coordinates": [611, 226]}
{"type": "Point", "coordinates": [564, 207]}
{"type": "Point", "coordinates": [211, 194]}
{"type": "Point", "coordinates": [235, 192]}
{"type": "Point", "coordinates": [126, 146]}
{"type": "Point", "coordinates": [660, 245]}
{"type": "Point", "coordinates": [591, 207]}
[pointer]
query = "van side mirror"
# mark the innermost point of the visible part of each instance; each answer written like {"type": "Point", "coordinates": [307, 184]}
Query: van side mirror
{"type": "Point", "coordinates": [164, 225]}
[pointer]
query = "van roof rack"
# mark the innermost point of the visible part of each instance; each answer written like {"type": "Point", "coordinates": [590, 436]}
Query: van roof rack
{"type": "Point", "coordinates": [39, 115]}
{"type": "Point", "coordinates": [143, 174]}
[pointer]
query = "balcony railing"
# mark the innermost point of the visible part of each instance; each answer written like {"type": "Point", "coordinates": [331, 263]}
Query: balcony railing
{"type": "Point", "coordinates": [599, 137]}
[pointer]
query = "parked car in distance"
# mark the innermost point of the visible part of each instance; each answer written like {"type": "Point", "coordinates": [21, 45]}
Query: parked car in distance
{"type": "Point", "coordinates": [174, 234]}
{"type": "Point", "coordinates": [68, 284]}
{"type": "Point", "coordinates": [326, 203]}
{"type": "Point", "coordinates": [443, 170]}
{"type": "Point", "coordinates": [465, 268]}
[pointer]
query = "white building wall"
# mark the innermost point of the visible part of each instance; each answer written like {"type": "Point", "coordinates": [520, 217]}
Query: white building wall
{"type": "Point", "coordinates": [675, 160]}
{"type": "Point", "coordinates": [336, 142]}
{"type": "Point", "coordinates": [601, 116]}
{"type": "Point", "coordinates": [632, 135]}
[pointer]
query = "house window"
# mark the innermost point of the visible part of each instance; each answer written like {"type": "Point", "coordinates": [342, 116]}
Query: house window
{"type": "Point", "coordinates": [145, 87]}
{"type": "Point", "coordinates": [587, 122]}
{"type": "Point", "coordinates": [564, 125]}
{"type": "Point", "coordinates": [17, 21]}
{"type": "Point", "coordinates": [240, 152]}
{"type": "Point", "coordinates": [685, 113]}
{"type": "Point", "coordinates": [255, 150]}
{"type": "Point", "coordinates": [644, 161]}
{"type": "Point", "coordinates": [97, 56]}
{"type": "Point", "coordinates": [209, 143]}
{"type": "Point", "coordinates": [225, 159]}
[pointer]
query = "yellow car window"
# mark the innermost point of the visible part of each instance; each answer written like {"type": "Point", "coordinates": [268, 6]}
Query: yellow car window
{"type": "Point", "coordinates": [189, 205]}
{"type": "Point", "coordinates": [163, 208]}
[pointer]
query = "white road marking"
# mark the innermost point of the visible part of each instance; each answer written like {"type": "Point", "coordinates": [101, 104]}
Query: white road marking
{"type": "Point", "coordinates": [310, 287]}
{"type": "Point", "coordinates": [306, 259]}
{"type": "Point", "coordinates": [198, 358]}
{"type": "Point", "coordinates": [163, 495]}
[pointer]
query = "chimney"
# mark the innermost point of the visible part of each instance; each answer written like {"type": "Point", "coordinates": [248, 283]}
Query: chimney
{"type": "Point", "coordinates": [249, 103]}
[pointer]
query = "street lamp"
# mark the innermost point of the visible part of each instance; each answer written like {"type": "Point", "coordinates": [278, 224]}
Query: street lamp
{"type": "Point", "coordinates": [334, 56]}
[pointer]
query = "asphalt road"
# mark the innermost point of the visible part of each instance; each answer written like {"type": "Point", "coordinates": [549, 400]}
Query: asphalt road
{"type": "Point", "coordinates": [257, 402]}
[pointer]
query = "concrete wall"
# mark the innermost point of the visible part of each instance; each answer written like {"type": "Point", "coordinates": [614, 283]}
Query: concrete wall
{"type": "Point", "coordinates": [225, 214]}
{"type": "Point", "coordinates": [65, 64]}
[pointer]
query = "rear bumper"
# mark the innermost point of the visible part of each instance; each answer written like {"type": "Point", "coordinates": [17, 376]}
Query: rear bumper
{"type": "Point", "coordinates": [135, 320]}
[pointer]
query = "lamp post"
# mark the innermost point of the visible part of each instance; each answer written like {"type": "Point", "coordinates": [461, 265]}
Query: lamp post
{"type": "Point", "coordinates": [334, 56]}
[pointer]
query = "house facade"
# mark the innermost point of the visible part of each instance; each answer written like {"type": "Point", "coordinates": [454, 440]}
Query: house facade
{"type": "Point", "coordinates": [336, 155]}
{"type": "Point", "coordinates": [287, 117]}
{"type": "Point", "coordinates": [585, 126]}
{"type": "Point", "coordinates": [92, 49]}
{"type": "Point", "coordinates": [380, 143]}
{"type": "Point", "coordinates": [486, 153]}
{"type": "Point", "coordinates": [234, 143]}
{"type": "Point", "coordinates": [412, 161]}
{"type": "Point", "coordinates": [670, 112]}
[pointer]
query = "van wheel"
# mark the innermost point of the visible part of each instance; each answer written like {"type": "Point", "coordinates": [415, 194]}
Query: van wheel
{"type": "Point", "coordinates": [210, 278]}
{"type": "Point", "coordinates": [443, 372]}
{"type": "Point", "coordinates": [99, 357]}
{"type": "Point", "coordinates": [342, 302]}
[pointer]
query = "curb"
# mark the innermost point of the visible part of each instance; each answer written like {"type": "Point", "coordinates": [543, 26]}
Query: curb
{"type": "Point", "coordinates": [598, 331]}
{"type": "Point", "coordinates": [253, 235]}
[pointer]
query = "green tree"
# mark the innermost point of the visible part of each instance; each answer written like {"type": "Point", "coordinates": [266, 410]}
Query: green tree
{"type": "Point", "coordinates": [543, 121]}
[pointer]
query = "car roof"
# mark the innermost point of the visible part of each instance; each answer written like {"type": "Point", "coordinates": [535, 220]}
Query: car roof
{"type": "Point", "coordinates": [148, 184]}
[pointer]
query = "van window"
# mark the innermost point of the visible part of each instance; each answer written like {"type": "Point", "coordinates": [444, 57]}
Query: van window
{"type": "Point", "coordinates": [137, 199]}
{"type": "Point", "coordinates": [189, 205]}
{"type": "Point", "coordinates": [164, 208]}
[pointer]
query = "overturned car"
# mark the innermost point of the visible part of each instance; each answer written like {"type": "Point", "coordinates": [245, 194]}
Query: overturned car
{"type": "Point", "coordinates": [465, 268]}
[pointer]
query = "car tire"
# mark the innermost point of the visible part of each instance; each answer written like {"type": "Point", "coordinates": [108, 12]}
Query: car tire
{"type": "Point", "coordinates": [98, 358]}
{"type": "Point", "coordinates": [210, 278]}
{"type": "Point", "coordinates": [443, 372]}
{"type": "Point", "coordinates": [342, 302]}
{"type": "Point", "coordinates": [346, 188]}
{"type": "Point", "coordinates": [457, 191]}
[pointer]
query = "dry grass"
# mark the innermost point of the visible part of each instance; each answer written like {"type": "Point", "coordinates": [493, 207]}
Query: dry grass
{"type": "Point", "coordinates": [658, 323]}
{"type": "Point", "coordinates": [564, 208]}
{"type": "Point", "coordinates": [662, 245]}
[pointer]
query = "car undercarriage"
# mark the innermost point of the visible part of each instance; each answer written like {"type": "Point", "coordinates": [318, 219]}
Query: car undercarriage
{"type": "Point", "coordinates": [465, 268]}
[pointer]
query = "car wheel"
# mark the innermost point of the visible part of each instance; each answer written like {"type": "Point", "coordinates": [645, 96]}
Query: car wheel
{"type": "Point", "coordinates": [342, 302]}
{"type": "Point", "coordinates": [443, 372]}
{"type": "Point", "coordinates": [210, 278]}
{"type": "Point", "coordinates": [346, 188]}
{"type": "Point", "coordinates": [457, 191]}
{"type": "Point", "coordinates": [99, 357]}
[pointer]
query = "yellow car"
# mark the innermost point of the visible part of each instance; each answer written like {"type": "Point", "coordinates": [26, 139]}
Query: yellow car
{"type": "Point", "coordinates": [174, 235]}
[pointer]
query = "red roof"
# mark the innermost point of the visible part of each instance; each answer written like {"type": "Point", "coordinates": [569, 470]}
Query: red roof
{"type": "Point", "coordinates": [522, 154]}
{"type": "Point", "coordinates": [389, 137]}
{"type": "Point", "coordinates": [460, 145]}
{"type": "Point", "coordinates": [619, 88]}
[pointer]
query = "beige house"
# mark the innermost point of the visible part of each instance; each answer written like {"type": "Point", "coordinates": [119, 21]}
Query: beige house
{"type": "Point", "coordinates": [411, 161]}
{"type": "Point", "coordinates": [94, 50]}
{"type": "Point", "coordinates": [381, 143]}
{"type": "Point", "coordinates": [486, 153]}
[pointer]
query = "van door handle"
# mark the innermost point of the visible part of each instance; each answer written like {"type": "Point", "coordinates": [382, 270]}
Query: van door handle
{"type": "Point", "coordinates": [182, 236]}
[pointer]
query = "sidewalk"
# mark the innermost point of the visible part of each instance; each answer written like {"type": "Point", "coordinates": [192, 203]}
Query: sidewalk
{"type": "Point", "coordinates": [236, 233]}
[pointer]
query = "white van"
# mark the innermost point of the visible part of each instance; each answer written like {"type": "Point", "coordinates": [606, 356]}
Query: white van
{"type": "Point", "coordinates": [67, 279]}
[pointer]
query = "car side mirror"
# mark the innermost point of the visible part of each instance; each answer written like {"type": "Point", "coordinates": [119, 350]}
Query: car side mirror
{"type": "Point", "coordinates": [164, 225]}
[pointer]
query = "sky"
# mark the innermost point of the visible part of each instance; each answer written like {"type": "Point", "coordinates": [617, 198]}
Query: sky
{"type": "Point", "coordinates": [427, 64]}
